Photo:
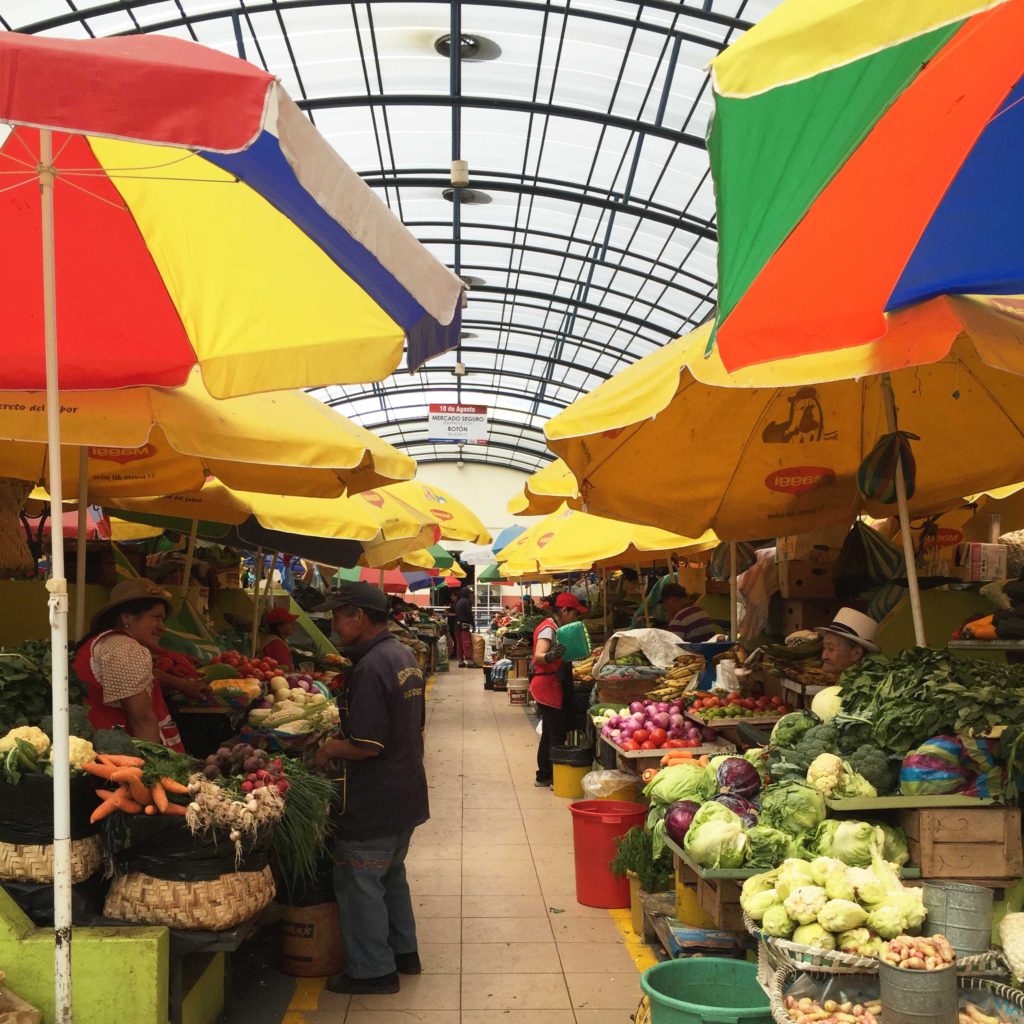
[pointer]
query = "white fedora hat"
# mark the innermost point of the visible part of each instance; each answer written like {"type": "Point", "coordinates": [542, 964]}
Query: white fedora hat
{"type": "Point", "coordinates": [854, 626]}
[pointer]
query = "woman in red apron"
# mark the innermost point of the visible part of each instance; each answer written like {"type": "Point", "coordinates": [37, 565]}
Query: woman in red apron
{"type": "Point", "coordinates": [551, 682]}
{"type": "Point", "coordinates": [115, 661]}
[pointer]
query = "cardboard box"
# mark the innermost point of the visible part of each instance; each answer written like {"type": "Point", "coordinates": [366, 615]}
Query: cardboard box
{"type": "Point", "coordinates": [980, 562]}
{"type": "Point", "coordinates": [819, 546]}
{"type": "Point", "coordinates": [694, 579]}
{"type": "Point", "coordinates": [806, 580]}
{"type": "Point", "coordinates": [798, 615]}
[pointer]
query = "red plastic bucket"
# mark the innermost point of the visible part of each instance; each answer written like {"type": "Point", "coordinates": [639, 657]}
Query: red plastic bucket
{"type": "Point", "coordinates": [595, 826]}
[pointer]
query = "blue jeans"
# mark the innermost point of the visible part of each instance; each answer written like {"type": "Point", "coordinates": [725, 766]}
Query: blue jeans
{"type": "Point", "coordinates": [374, 903]}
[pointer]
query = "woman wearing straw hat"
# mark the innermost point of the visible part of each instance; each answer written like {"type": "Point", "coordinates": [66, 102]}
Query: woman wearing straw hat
{"type": "Point", "coordinates": [115, 661]}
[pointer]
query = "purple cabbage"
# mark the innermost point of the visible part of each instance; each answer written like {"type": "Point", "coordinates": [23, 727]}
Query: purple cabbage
{"type": "Point", "coordinates": [678, 818]}
{"type": "Point", "coordinates": [738, 777]}
{"type": "Point", "coordinates": [737, 804]}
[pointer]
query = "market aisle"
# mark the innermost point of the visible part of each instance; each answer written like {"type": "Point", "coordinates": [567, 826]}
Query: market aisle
{"type": "Point", "coordinates": [502, 938]}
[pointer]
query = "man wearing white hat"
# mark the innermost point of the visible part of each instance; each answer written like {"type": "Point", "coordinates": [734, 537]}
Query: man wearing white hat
{"type": "Point", "coordinates": [846, 639]}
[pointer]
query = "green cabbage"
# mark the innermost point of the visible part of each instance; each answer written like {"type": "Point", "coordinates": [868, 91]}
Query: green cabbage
{"type": "Point", "coordinates": [852, 842]}
{"type": "Point", "coordinates": [777, 923]}
{"type": "Point", "coordinates": [887, 920]}
{"type": "Point", "coordinates": [793, 807]}
{"type": "Point", "coordinates": [841, 915]}
{"type": "Point", "coordinates": [680, 782]}
{"type": "Point", "coordinates": [758, 757]}
{"type": "Point", "coordinates": [715, 838]}
{"type": "Point", "coordinates": [767, 846]}
{"type": "Point", "coordinates": [756, 905]}
{"type": "Point", "coordinates": [793, 874]}
{"type": "Point", "coordinates": [908, 903]}
{"type": "Point", "coordinates": [815, 936]}
{"type": "Point", "coordinates": [894, 843]}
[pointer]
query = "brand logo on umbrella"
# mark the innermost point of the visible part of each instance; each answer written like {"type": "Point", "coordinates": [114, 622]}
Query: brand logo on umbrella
{"type": "Point", "coordinates": [545, 539]}
{"type": "Point", "coordinates": [799, 479]}
{"type": "Point", "coordinates": [945, 537]}
{"type": "Point", "coordinates": [440, 513]}
{"type": "Point", "coordinates": [373, 498]}
{"type": "Point", "coordinates": [123, 455]}
{"type": "Point", "coordinates": [431, 495]}
{"type": "Point", "coordinates": [804, 422]}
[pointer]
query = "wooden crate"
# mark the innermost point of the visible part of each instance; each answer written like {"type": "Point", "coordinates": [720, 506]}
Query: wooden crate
{"type": "Point", "coordinates": [963, 843]}
{"type": "Point", "coordinates": [720, 899]}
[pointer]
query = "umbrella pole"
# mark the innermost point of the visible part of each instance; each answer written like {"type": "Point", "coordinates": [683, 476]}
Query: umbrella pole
{"type": "Point", "coordinates": [257, 576]}
{"type": "Point", "coordinates": [57, 586]}
{"type": "Point", "coordinates": [82, 548]}
{"type": "Point", "coordinates": [643, 597]}
{"type": "Point", "coordinates": [901, 503]}
{"type": "Point", "coordinates": [190, 554]}
{"type": "Point", "coordinates": [604, 603]}
{"type": "Point", "coordinates": [733, 592]}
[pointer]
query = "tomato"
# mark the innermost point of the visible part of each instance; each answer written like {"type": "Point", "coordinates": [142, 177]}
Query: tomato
{"type": "Point", "coordinates": [690, 743]}
{"type": "Point", "coordinates": [648, 745]}
{"type": "Point", "coordinates": [674, 744]}
{"type": "Point", "coordinates": [748, 704]}
{"type": "Point", "coordinates": [630, 745]}
{"type": "Point", "coordinates": [640, 735]}
{"type": "Point", "coordinates": [658, 736]}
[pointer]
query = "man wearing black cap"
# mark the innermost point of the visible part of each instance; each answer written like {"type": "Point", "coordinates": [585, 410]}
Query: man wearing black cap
{"type": "Point", "coordinates": [384, 793]}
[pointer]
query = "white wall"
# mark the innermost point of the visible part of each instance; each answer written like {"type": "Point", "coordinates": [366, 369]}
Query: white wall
{"type": "Point", "coordinates": [483, 488]}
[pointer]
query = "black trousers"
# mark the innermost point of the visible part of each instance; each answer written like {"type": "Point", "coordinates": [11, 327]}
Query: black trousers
{"type": "Point", "coordinates": [552, 733]}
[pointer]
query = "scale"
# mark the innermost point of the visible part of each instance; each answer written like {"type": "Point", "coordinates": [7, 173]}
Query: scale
{"type": "Point", "coordinates": [709, 651]}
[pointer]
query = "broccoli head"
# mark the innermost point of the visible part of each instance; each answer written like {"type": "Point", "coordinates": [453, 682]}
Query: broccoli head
{"type": "Point", "coordinates": [873, 764]}
{"type": "Point", "coordinates": [113, 741]}
{"type": "Point", "coordinates": [78, 723]}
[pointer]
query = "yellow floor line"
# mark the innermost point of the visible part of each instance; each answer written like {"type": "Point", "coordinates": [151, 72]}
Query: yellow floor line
{"type": "Point", "coordinates": [304, 1000]}
{"type": "Point", "coordinates": [640, 953]}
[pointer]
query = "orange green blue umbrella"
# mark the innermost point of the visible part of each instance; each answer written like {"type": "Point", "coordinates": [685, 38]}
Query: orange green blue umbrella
{"type": "Point", "coordinates": [866, 159]}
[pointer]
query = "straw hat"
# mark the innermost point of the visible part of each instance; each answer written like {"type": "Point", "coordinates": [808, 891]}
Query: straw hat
{"type": "Point", "coordinates": [135, 589]}
{"type": "Point", "coordinates": [854, 626]}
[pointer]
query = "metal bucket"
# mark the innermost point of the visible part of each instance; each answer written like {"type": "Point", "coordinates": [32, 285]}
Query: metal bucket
{"type": "Point", "coordinates": [918, 997]}
{"type": "Point", "coordinates": [963, 913]}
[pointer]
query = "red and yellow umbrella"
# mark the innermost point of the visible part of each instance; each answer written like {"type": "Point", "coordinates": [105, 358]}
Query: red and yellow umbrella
{"type": "Point", "coordinates": [866, 159]}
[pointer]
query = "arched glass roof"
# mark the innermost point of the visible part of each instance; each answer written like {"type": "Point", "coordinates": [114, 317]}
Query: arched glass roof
{"type": "Point", "coordinates": [583, 124]}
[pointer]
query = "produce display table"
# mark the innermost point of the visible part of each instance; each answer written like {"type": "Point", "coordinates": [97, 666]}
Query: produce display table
{"type": "Point", "coordinates": [637, 761]}
{"type": "Point", "coordinates": [899, 803]}
{"type": "Point", "coordinates": [728, 728]}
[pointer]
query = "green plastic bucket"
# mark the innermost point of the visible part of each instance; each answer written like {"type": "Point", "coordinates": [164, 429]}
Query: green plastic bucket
{"type": "Point", "coordinates": [576, 641]}
{"type": "Point", "coordinates": [705, 989]}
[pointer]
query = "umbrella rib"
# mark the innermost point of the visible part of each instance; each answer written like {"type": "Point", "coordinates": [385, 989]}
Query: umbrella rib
{"type": "Point", "coordinates": [964, 368]}
{"type": "Point", "coordinates": [18, 184]}
{"type": "Point", "coordinates": [102, 199]}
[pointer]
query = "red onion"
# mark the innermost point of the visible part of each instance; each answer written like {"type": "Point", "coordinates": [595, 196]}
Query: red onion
{"type": "Point", "coordinates": [676, 721]}
{"type": "Point", "coordinates": [636, 706]}
{"type": "Point", "coordinates": [661, 720]}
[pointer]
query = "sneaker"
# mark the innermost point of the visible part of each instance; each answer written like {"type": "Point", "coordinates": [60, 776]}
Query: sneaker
{"type": "Point", "coordinates": [385, 985]}
{"type": "Point", "coordinates": [408, 963]}
{"type": "Point", "coordinates": [543, 783]}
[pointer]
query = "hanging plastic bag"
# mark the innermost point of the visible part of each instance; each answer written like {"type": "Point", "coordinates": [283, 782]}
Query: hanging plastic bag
{"type": "Point", "coordinates": [609, 785]}
{"type": "Point", "coordinates": [721, 563]}
{"type": "Point", "coordinates": [876, 478]}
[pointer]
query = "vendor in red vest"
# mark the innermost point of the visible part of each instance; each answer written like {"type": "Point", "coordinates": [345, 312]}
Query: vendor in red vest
{"type": "Point", "coordinates": [115, 661]}
{"type": "Point", "coordinates": [551, 683]}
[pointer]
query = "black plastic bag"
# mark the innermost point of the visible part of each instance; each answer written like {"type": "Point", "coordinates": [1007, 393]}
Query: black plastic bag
{"type": "Point", "coordinates": [164, 847]}
{"type": "Point", "coordinates": [26, 810]}
{"type": "Point", "coordinates": [36, 900]}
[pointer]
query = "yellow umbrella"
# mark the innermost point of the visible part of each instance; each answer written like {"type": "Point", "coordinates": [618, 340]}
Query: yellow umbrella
{"type": "Point", "coordinates": [545, 491]}
{"type": "Point", "coordinates": [384, 526]}
{"type": "Point", "coordinates": [457, 522]}
{"type": "Point", "coordinates": [570, 540]}
{"type": "Point", "coordinates": [676, 442]}
{"type": "Point", "coordinates": [153, 440]}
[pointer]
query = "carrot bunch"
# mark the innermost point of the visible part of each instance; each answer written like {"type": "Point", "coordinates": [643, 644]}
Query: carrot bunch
{"type": "Point", "coordinates": [132, 795]}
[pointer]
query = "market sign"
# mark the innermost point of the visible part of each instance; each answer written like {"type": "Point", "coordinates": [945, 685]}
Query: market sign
{"type": "Point", "coordinates": [457, 424]}
{"type": "Point", "coordinates": [122, 455]}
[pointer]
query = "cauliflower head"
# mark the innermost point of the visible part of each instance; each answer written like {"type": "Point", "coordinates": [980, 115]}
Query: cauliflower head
{"type": "Point", "coordinates": [826, 773]}
{"type": "Point", "coordinates": [79, 752]}
{"type": "Point", "coordinates": [31, 734]}
{"type": "Point", "coordinates": [804, 904]}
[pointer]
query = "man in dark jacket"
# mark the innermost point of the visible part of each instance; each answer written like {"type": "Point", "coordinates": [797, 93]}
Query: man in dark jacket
{"type": "Point", "coordinates": [384, 793]}
{"type": "Point", "coordinates": [464, 628]}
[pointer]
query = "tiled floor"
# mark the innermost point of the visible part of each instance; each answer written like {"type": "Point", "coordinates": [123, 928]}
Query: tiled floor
{"type": "Point", "coordinates": [502, 938]}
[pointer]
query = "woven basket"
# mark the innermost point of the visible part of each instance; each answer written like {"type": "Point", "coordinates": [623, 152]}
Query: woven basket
{"type": "Point", "coordinates": [989, 965]}
{"type": "Point", "coordinates": [35, 863]}
{"type": "Point", "coordinates": [643, 1012]}
{"type": "Point", "coordinates": [1014, 997]}
{"type": "Point", "coordinates": [777, 992]}
{"type": "Point", "coordinates": [204, 906]}
{"type": "Point", "coordinates": [784, 953]}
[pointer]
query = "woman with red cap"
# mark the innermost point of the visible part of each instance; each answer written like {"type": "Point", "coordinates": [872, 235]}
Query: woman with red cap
{"type": "Point", "coordinates": [551, 684]}
{"type": "Point", "coordinates": [281, 624]}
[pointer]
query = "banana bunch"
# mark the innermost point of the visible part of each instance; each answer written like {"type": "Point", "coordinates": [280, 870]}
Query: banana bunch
{"type": "Point", "coordinates": [583, 671]}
